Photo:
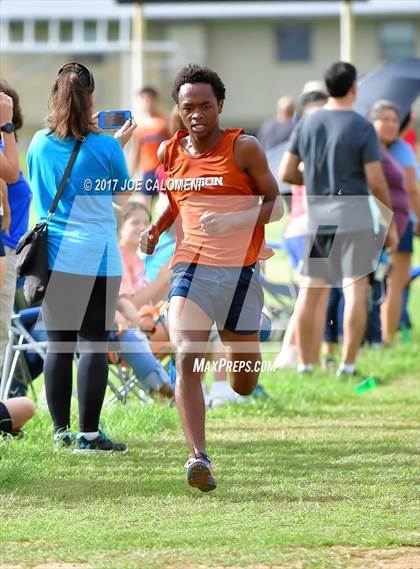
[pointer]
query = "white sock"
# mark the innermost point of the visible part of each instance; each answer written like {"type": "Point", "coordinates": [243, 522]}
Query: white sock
{"type": "Point", "coordinates": [305, 367]}
{"type": "Point", "coordinates": [287, 358]}
{"type": "Point", "coordinates": [347, 368]}
{"type": "Point", "coordinates": [220, 389]}
{"type": "Point", "coordinates": [90, 436]}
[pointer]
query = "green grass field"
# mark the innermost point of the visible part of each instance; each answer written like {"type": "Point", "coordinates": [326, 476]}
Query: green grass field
{"type": "Point", "coordinates": [314, 477]}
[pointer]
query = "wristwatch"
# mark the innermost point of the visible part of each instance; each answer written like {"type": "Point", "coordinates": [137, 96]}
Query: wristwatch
{"type": "Point", "coordinates": [7, 127]}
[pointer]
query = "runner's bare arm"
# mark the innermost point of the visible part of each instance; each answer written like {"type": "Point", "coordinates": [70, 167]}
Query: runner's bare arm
{"type": "Point", "coordinates": [289, 169]}
{"type": "Point", "coordinates": [166, 218]}
{"type": "Point", "coordinates": [251, 158]}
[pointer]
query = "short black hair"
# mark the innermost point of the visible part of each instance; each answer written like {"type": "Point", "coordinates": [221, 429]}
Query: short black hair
{"type": "Point", "coordinates": [339, 78]}
{"type": "Point", "coordinates": [198, 74]}
{"type": "Point", "coordinates": [149, 91]}
{"type": "Point", "coordinates": [308, 99]}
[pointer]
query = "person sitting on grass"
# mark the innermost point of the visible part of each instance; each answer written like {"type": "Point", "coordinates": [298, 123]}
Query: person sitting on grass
{"type": "Point", "coordinates": [14, 413]}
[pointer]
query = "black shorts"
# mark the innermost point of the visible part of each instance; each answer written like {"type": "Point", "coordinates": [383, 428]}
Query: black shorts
{"type": "Point", "coordinates": [332, 257]}
{"type": "Point", "coordinates": [81, 303]}
{"type": "Point", "coordinates": [5, 419]}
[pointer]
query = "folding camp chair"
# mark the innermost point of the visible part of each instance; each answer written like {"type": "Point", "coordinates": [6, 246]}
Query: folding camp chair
{"type": "Point", "coordinates": [23, 351]}
{"type": "Point", "coordinates": [122, 380]}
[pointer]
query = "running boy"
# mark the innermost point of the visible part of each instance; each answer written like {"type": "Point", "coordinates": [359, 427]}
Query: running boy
{"type": "Point", "coordinates": [221, 194]}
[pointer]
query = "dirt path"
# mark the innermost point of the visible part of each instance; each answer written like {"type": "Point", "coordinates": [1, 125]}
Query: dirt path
{"type": "Point", "coordinates": [398, 558]}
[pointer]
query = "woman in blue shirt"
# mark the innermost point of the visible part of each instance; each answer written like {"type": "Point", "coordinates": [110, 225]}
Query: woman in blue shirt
{"type": "Point", "coordinates": [83, 256]}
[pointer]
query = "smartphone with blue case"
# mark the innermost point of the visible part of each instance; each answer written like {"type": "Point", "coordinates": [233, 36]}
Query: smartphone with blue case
{"type": "Point", "coordinates": [113, 119]}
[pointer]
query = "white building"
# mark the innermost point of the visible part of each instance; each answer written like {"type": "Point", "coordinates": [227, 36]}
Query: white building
{"type": "Point", "coordinates": [260, 49]}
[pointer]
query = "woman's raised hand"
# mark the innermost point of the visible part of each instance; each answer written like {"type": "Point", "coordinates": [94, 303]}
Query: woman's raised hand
{"type": "Point", "coordinates": [125, 132]}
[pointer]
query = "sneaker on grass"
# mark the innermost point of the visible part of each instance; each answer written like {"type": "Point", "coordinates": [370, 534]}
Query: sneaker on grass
{"type": "Point", "coordinates": [64, 440]}
{"type": "Point", "coordinates": [200, 473]}
{"type": "Point", "coordinates": [102, 443]}
{"type": "Point", "coordinates": [221, 394]}
{"type": "Point", "coordinates": [347, 370]}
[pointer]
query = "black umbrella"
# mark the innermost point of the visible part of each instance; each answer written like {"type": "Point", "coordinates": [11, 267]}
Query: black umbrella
{"type": "Point", "coordinates": [398, 81]}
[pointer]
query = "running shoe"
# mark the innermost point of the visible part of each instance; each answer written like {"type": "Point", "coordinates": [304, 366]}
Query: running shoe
{"type": "Point", "coordinates": [200, 473]}
{"type": "Point", "coordinates": [287, 358]}
{"type": "Point", "coordinates": [102, 443]}
{"type": "Point", "coordinates": [328, 363]}
{"type": "Point", "coordinates": [221, 394]}
{"type": "Point", "coordinates": [64, 440]}
{"type": "Point", "coordinates": [342, 373]}
{"type": "Point", "coordinates": [306, 369]}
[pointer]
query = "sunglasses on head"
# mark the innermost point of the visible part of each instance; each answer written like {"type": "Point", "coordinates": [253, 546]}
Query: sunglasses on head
{"type": "Point", "coordinates": [79, 69]}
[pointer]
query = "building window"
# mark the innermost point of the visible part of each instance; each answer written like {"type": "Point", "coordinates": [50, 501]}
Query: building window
{"type": "Point", "coordinates": [16, 31]}
{"type": "Point", "coordinates": [397, 39]}
{"type": "Point", "coordinates": [113, 30]}
{"type": "Point", "coordinates": [66, 30]}
{"type": "Point", "coordinates": [89, 30]}
{"type": "Point", "coordinates": [41, 31]}
{"type": "Point", "coordinates": [293, 42]}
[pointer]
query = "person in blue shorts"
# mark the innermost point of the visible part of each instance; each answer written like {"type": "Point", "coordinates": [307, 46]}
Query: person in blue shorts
{"type": "Point", "coordinates": [221, 195]}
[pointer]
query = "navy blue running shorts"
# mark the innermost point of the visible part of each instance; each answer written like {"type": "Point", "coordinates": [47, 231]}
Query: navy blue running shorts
{"type": "Point", "coordinates": [406, 241]}
{"type": "Point", "coordinates": [231, 296]}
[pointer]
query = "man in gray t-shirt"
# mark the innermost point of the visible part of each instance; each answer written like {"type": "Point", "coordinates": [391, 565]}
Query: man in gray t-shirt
{"type": "Point", "coordinates": [341, 156]}
{"type": "Point", "coordinates": [335, 144]}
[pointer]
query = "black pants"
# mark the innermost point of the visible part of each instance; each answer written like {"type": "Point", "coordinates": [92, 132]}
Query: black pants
{"type": "Point", "coordinates": [78, 313]}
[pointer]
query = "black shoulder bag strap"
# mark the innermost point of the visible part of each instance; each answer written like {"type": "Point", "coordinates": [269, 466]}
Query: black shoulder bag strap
{"type": "Point", "coordinates": [43, 225]}
{"type": "Point", "coordinates": [64, 179]}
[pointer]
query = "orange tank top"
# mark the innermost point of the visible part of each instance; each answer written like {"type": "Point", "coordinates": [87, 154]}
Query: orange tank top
{"type": "Point", "coordinates": [149, 138]}
{"type": "Point", "coordinates": [212, 182]}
